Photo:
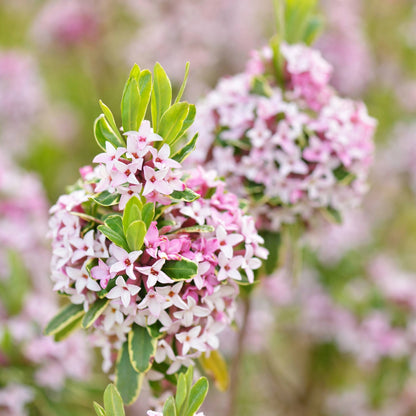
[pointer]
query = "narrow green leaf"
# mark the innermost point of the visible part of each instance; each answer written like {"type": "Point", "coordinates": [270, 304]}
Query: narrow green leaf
{"type": "Point", "coordinates": [148, 213]}
{"type": "Point", "coordinates": [197, 229]}
{"type": "Point", "coordinates": [180, 270]}
{"type": "Point", "coordinates": [272, 241]}
{"type": "Point", "coordinates": [187, 195]}
{"type": "Point", "coordinates": [332, 215]}
{"type": "Point", "coordinates": [142, 348]}
{"type": "Point", "coordinates": [113, 402]}
{"type": "Point", "coordinates": [110, 118]}
{"type": "Point", "coordinates": [128, 381]}
{"type": "Point", "coordinates": [68, 330]}
{"type": "Point", "coordinates": [186, 150]}
{"type": "Point", "coordinates": [130, 105]}
{"type": "Point", "coordinates": [169, 409]}
{"type": "Point", "coordinates": [181, 392]}
{"type": "Point", "coordinates": [161, 95]}
{"type": "Point", "coordinates": [185, 79]}
{"type": "Point", "coordinates": [135, 234]}
{"type": "Point", "coordinates": [145, 89]}
{"type": "Point", "coordinates": [106, 199]}
{"type": "Point", "coordinates": [65, 317]}
{"type": "Point", "coordinates": [189, 119]}
{"type": "Point", "coordinates": [113, 230]}
{"type": "Point", "coordinates": [197, 396]}
{"type": "Point", "coordinates": [94, 312]}
{"type": "Point", "coordinates": [104, 133]}
{"type": "Point", "coordinates": [99, 410]}
{"type": "Point", "coordinates": [172, 121]}
{"type": "Point", "coordinates": [132, 212]}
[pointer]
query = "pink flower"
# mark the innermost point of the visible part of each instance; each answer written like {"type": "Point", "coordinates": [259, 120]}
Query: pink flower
{"type": "Point", "coordinates": [155, 181]}
{"type": "Point", "coordinates": [154, 273]}
{"type": "Point", "coordinates": [123, 291]}
{"type": "Point", "coordinates": [125, 261]}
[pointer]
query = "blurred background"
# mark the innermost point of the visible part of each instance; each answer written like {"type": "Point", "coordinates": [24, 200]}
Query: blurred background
{"type": "Point", "coordinates": [342, 341]}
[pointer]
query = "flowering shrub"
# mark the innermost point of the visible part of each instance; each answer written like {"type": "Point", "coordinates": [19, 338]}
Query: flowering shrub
{"type": "Point", "coordinates": [38, 364]}
{"type": "Point", "coordinates": [293, 146]}
{"type": "Point", "coordinates": [149, 254]}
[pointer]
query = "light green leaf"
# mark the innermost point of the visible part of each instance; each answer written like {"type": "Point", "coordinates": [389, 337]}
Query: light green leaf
{"type": "Point", "coordinates": [189, 375]}
{"type": "Point", "coordinates": [148, 213]}
{"type": "Point", "coordinates": [189, 119]}
{"type": "Point", "coordinates": [180, 270]}
{"type": "Point", "coordinates": [216, 367]}
{"type": "Point", "coordinates": [106, 199]}
{"type": "Point", "coordinates": [185, 79]}
{"type": "Point", "coordinates": [135, 235]}
{"type": "Point", "coordinates": [187, 195]}
{"type": "Point", "coordinates": [128, 381]}
{"type": "Point", "coordinates": [110, 118]}
{"type": "Point", "coordinates": [132, 212]}
{"type": "Point", "coordinates": [99, 410]}
{"type": "Point", "coordinates": [169, 408]}
{"type": "Point", "coordinates": [181, 392]}
{"type": "Point", "coordinates": [172, 122]}
{"type": "Point", "coordinates": [197, 229]}
{"type": "Point", "coordinates": [113, 230]}
{"type": "Point", "coordinates": [145, 88]}
{"type": "Point", "coordinates": [94, 312]}
{"type": "Point", "coordinates": [68, 330]}
{"type": "Point", "coordinates": [104, 133]}
{"type": "Point", "coordinates": [130, 105]}
{"type": "Point", "coordinates": [186, 150]}
{"type": "Point", "coordinates": [113, 402]}
{"type": "Point", "coordinates": [197, 396]}
{"type": "Point", "coordinates": [64, 318]}
{"type": "Point", "coordinates": [141, 348]}
{"type": "Point", "coordinates": [161, 95]}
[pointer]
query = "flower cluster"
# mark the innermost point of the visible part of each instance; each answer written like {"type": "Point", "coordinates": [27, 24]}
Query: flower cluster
{"type": "Point", "coordinates": [292, 147]}
{"type": "Point", "coordinates": [157, 247]}
{"type": "Point", "coordinates": [21, 99]}
{"type": "Point", "coordinates": [26, 303]}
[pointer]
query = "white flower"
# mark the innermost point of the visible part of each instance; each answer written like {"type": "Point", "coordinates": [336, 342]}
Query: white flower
{"type": "Point", "coordinates": [191, 339]}
{"type": "Point", "coordinates": [123, 291]}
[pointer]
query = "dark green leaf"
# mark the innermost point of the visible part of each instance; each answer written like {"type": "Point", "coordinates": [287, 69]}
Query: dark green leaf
{"type": "Point", "coordinates": [107, 199]}
{"type": "Point", "coordinates": [161, 95]}
{"type": "Point", "coordinates": [180, 270]}
{"type": "Point", "coordinates": [187, 195]}
{"type": "Point", "coordinates": [186, 150]}
{"type": "Point", "coordinates": [333, 215]}
{"type": "Point", "coordinates": [135, 235]}
{"type": "Point", "coordinates": [197, 396]}
{"type": "Point", "coordinates": [113, 402]}
{"type": "Point", "coordinates": [127, 380]}
{"type": "Point", "coordinates": [94, 312]}
{"type": "Point", "coordinates": [272, 241]}
{"type": "Point", "coordinates": [64, 318]}
{"type": "Point", "coordinates": [65, 332]}
{"type": "Point", "coordinates": [113, 230]}
{"type": "Point", "coordinates": [142, 348]}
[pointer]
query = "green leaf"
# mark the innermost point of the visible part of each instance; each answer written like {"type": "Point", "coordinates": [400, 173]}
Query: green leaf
{"type": "Point", "coordinates": [148, 213]}
{"type": "Point", "coordinates": [65, 332]}
{"type": "Point", "coordinates": [261, 87]}
{"type": "Point", "coordinates": [180, 270]}
{"type": "Point", "coordinates": [94, 312]}
{"type": "Point", "coordinates": [130, 105]}
{"type": "Point", "coordinates": [312, 30]}
{"type": "Point", "coordinates": [110, 118]}
{"type": "Point", "coordinates": [128, 381]}
{"type": "Point", "coordinates": [189, 375]}
{"type": "Point", "coordinates": [145, 88]}
{"type": "Point", "coordinates": [106, 199]}
{"type": "Point", "coordinates": [197, 229]}
{"type": "Point", "coordinates": [332, 215]}
{"type": "Point", "coordinates": [64, 318]}
{"type": "Point", "coordinates": [297, 16]}
{"type": "Point", "coordinates": [272, 241]}
{"type": "Point", "coordinates": [161, 95]}
{"type": "Point", "coordinates": [154, 330]}
{"type": "Point", "coordinates": [216, 367]}
{"type": "Point", "coordinates": [103, 133]}
{"type": "Point", "coordinates": [99, 410]}
{"type": "Point", "coordinates": [135, 235]}
{"type": "Point", "coordinates": [190, 118]}
{"type": "Point", "coordinates": [169, 409]}
{"type": "Point", "coordinates": [142, 348]}
{"type": "Point", "coordinates": [113, 230]}
{"type": "Point", "coordinates": [172, 122]}
{"type": "Point", "coordinates": [186, 150]}
{"type": "Point", "coordinates": [185, 79]}
{"type": "Point", "coordinates": [113, 402]}
{"type": "Point", "coordinates": [181, 392]}
{"type": "Point", "coordinates": [187, 195]}
{"type": "Point", "coordinates": [132, 212]}
{"type": "Point", "coordinates": [197, 396]}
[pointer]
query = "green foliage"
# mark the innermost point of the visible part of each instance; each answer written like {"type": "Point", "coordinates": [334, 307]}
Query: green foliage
{"type": "Point", "coordinates": [161, 95]}
{"type": "Point", "coordinates": [95, 311]}
{"type": "Point", "coordinates": [64, 318]}
{"type": "Point", "coordinates": [132, 212]}
{"type": "Point", "coordinates": [186, 150]}
{"type": "Point", "coordinates": [142, 347]}
{"type": "Point", "coordinates": [135, 234]}
{"type": "Point", "coordinates": [187, 195]}
{"type": "Point", "coordinates": [180, 270]}
{"type": "Point", "coordinates": [103, 132]}
{"type": "Point", "coordinates": [106, 199]}
{"type": "Point", "coordinates": [113, 230]}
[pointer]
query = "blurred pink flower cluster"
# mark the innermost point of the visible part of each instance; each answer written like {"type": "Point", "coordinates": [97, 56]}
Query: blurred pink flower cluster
{"type": "Point", "coordinates": [344, 44]}
{"type": "Point", "coordinates": [21, 100]}
{"type": "Point", "coordinates": [211, 232]}
{"type": "Point", "coordinates": [26, 303]}
{"type": "Point", "coordinates": [292, 149]}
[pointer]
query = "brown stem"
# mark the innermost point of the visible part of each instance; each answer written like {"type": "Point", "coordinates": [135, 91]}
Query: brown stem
{"type": "Point", "coordinates": [235, 372]}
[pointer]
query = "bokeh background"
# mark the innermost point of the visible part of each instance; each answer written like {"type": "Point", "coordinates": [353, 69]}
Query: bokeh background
{"type": "Point", "coordinates": [339, 341]}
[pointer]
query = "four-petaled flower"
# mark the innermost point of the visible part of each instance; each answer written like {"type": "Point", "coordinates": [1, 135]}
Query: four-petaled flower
{"type": "Point", "coordinates": [123, 291]}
